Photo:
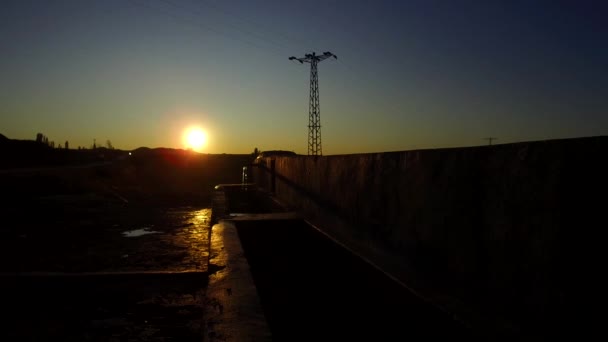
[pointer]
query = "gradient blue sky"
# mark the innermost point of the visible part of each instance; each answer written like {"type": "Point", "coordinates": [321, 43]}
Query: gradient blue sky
{"type": "Point", "coordinates": [409, 74]}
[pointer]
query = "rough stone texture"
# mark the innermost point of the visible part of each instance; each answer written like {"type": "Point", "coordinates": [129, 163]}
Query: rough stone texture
{"type": "Point", "coordinates": [499, 228]}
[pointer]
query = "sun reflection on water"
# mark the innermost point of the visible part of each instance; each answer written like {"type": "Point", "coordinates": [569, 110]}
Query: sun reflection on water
{"type": "Point", "coordinates": [174, 239]}
{"type": "Point", "coordinates": [197, 235]}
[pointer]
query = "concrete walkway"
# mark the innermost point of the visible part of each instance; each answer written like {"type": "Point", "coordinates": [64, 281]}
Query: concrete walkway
{"type": "Point", "coordinates": [301, 282]}
{"type": "Point", "coordinates": [233, 311]}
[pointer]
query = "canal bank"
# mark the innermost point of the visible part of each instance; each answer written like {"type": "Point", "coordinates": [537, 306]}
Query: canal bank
{"type": "Point", "coordinates": [307, 285]}
{"type": "Point", "coordinates": [498, 235]}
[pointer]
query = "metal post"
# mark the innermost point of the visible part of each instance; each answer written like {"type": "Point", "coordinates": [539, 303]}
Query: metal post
{"type": "Point", "coordinates": [273, 176]}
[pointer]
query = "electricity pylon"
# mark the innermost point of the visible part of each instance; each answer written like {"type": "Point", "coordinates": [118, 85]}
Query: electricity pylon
{"type": "Point", "coordinates": [314, 111]}
{"type": "Point", "coordinates": [490, 140]}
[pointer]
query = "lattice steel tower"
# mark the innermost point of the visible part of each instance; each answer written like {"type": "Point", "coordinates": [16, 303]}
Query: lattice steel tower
{"type": "Point", "coordinates": [314, 111]}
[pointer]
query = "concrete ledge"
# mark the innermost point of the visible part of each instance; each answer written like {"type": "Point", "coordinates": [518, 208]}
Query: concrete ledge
{"type": "Point", "coordinates": [233, 311]}
{"type": "Point", "coordinates": [263, 217]}
{"type": "Point", "coordinates": [186, 273]}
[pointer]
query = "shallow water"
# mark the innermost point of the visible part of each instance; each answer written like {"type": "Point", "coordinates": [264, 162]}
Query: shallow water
{"type": "Point", "coordinates": [138, 232]}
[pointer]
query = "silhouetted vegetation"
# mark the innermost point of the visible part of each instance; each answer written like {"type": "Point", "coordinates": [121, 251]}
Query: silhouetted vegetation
{"type": "Point", "coordinates": [152, 174]}
{"type": "Point", "coordinates": [44, 153]}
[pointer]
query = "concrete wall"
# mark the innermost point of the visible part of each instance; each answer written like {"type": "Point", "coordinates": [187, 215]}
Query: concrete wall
{"type": "Point", "coordinates": [503, 229]}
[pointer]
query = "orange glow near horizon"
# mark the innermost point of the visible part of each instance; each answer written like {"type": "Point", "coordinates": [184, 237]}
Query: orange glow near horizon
{"type": "Point", "coordinates": [195, 138]}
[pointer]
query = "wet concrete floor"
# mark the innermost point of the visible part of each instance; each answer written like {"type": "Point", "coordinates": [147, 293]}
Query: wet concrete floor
{"type": "Point", "coordinates": [125, 307]}
{"type": "Point", "coordinates": [74, 275]}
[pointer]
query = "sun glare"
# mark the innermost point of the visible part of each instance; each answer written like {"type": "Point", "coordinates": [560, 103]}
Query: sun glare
{"type": "Point", "coordinates": [195, 138]}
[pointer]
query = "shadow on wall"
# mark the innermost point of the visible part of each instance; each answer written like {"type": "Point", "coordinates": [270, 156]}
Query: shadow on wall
{"type": "Point", "coordinates": [502, 228]}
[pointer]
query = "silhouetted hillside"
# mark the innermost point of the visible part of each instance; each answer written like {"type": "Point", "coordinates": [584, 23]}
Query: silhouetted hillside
{"type": "Point", "coordinates": [30, 153]}
{"type": "Point", "coordinates": [31, 170]}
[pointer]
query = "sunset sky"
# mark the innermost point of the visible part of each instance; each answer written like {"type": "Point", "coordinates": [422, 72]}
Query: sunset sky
{"type": "Point", "coordinates": [409, 74]}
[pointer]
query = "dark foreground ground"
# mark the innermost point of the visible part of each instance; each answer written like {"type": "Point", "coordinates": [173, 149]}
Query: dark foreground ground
{"type": "Point", "coordinates": [79, 277]}
{"type": "Point", "coordinates": [314, 290]}
{"type": "Point", "coordinates": [70, 272]}
{"type": "Point", "coordinates": [70, 267]}
{"type": "Point", "coordinates": [103, 308]}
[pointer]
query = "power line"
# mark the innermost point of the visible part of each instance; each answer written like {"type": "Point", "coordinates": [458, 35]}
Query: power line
{"type": "Point", "coordinates": [246, 32]}
{"type": "Point", "coordinates": [182, 19]}
{"type": "Point", "coordinates": [292, 40]}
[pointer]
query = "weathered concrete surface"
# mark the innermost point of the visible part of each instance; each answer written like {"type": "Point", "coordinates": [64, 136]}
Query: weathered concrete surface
{"type": "Point", "coordinates": [95, 239]}
{"type": "Point", "coordinates": [492, 232]}
{"type": "Point", "coordinates": [314, 290]}
{"type": "Point", "coordinates": [233, 310]}
{"type": "Point", "coordinates": [103, 307]}
{"type": "Point", "coordinates": [69, 273]}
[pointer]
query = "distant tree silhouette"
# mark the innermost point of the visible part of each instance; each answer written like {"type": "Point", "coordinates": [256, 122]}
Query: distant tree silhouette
{"type": "Point", "coordinates": [255, 152]}
{"type": "Point", "coordinates": [67, 145]}
{"type": "Point", "coordinates": [52, 144]}
{"type": "Point", "coordinates": [42, 139]}
{"type": "Point", "coordinates": [109, 145]}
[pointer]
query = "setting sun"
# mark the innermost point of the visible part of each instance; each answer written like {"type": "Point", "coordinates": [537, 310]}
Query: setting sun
{"type": "Point", "coordinates": [195, 138]}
